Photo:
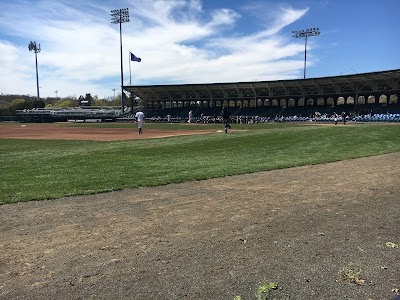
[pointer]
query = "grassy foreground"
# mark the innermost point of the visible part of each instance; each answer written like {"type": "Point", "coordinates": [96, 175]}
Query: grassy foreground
{"type": "Point", "coordinates": [47, 169]}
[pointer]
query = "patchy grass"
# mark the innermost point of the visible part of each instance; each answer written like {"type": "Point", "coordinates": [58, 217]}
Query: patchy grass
{"type": "Point", "coordinates": [352, 273]}
{"type": "Point", "coordinates": [392, 245]}
{"type": "Point", "coordinates": [264, 289]}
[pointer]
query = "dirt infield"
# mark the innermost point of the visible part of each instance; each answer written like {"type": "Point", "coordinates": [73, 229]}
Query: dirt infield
{"type": "Point", "coordinates": [59, 131]}
{"type": "Point", "coordinates": [213, 239]}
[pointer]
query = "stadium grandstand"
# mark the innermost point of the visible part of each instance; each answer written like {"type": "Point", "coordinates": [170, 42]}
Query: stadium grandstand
{"type": "Point", "coordinates": [369, 94]}
{"type": "Point", "coordinates": [366, 97]}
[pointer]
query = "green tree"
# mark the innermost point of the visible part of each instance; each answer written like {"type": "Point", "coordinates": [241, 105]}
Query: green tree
{"type": "Point", "coordinates": [116, 101]}
{"type": "Point", "coordinates": [98, 102]}
{"type": "Point", "coordinates": [18, 104]}
{"type": "Point", "coordinates": [4, 108]}
{"type": "Point", "coordinates": [36, 104]}
{"type": "Point", "coordinates": [64, 103]}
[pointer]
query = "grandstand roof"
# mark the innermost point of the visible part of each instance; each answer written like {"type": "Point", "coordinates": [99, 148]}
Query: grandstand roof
{"type": "Point", "coordinates": [364, 83]}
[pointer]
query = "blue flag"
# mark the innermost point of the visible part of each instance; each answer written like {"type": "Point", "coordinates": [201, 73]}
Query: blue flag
{"type": "Point", "coordinates": [134, 57]}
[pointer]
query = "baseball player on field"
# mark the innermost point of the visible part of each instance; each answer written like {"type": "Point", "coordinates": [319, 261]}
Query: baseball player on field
{"type": "Point", "coordinates": [139, 119]}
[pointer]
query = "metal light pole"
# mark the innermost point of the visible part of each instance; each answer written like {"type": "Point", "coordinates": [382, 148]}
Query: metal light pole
{"type": "Point", "coordinates": [119, 16]}
{"type": "Point", "coordinates": [305, 34]}
{"type": "Point", "coordinates": [56, 93]}
{"type": "Point", "coordinates": [33, 47]}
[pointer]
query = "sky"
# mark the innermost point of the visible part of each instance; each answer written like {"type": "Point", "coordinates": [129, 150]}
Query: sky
{"type": "Point", "coordinates": [189, 41]}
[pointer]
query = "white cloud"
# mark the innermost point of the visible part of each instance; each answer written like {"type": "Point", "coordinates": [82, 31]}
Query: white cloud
{"type": "Point", "coordinates": [285, 17]}
{"type": "Point", "coordinates": [176, 40]}
{"type": "Point", "coordinates": [223, 17]}
{"type": "Point", "coordinates": [15, 70]}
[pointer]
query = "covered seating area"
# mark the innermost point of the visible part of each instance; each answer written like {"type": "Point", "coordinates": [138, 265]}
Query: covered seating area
{"type": "Point", "coordinates": [366, 93]}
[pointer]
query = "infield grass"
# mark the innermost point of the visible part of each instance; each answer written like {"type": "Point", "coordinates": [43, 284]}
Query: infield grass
{"type": "Point", "coordinates": [47, 169]}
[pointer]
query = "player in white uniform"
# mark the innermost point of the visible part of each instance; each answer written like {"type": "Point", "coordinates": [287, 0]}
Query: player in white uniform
{"type": "Point", "coordinates": [139, 118]}
{"type": "Point", "coordinates": [190, 117]}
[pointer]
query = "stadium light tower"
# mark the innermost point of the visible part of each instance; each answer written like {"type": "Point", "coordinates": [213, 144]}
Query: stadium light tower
{"type": "Point", "coordinates": [119, 16]}
{"type": "Point", "coordinates": [305, 34]}
{"type": "Point", "coordinates": [33, 47]}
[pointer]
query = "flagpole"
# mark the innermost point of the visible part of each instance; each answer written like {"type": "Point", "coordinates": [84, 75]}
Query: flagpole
{"type": "Point", "coordinates": [130, 75]}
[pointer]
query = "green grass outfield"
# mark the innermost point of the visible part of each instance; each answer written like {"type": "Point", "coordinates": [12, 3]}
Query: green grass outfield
{"type": "Point", "coordinates": [47, 169]}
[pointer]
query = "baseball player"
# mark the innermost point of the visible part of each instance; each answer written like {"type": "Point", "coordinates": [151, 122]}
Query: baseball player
{"type": "Point", "coordinates": [190, 117]}
{"type": "Point", "coordinates": [139, 119]}
{"type": "Point", "coordinates": [225, 116]}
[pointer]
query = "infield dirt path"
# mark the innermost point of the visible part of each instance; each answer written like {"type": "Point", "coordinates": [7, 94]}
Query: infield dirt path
{"type": "Point", "coordinates": [213, 239]}
{"type": "Point", "coordinates": [63, 131]}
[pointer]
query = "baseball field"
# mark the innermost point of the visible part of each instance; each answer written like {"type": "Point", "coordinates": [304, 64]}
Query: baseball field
{"type": "Point", "coordinates": [184, 211]}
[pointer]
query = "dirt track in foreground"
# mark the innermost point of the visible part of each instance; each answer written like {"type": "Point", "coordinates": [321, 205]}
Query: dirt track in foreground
{"type": "Point", "coordinates": [212, 239]}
